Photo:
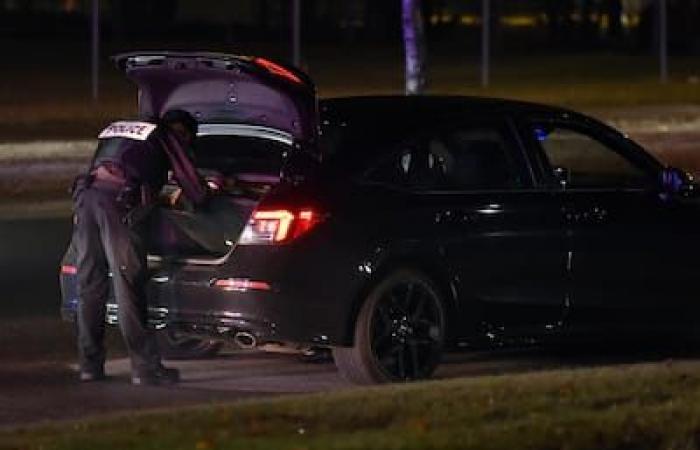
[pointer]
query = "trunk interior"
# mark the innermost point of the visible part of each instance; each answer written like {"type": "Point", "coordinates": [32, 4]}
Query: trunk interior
{"type": "Point", "coordinates": [244, 168]}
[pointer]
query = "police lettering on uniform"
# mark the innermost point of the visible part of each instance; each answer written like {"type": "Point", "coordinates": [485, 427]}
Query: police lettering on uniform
{"type": "Point", "coordinates": [111, 205]}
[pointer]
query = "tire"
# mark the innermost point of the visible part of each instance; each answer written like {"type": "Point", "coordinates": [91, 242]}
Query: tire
{"type": "Point", "coordinates": [176, 346]}
{"type": "Point", "coordinates": [399, 332]}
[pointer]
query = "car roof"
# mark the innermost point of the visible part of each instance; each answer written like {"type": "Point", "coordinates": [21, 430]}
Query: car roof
{"type": "Point", "coordinates": [379, 108]}
{"type": "Point", "coordinates": [354, 128]}
{"type": "Point", "coordinates": [358, 127]}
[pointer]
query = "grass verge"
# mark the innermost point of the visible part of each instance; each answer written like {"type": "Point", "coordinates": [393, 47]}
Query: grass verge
{"type": "Point", "coordinates": [626, 407]}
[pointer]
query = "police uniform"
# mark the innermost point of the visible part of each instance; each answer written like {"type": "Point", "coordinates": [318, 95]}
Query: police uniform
{"type": "Point", "coordinates": [111, 204]}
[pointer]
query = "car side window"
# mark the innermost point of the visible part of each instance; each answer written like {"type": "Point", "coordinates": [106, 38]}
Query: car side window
{"type": "Point", "coordinates": [407, 166]}
{"type": "Point", "coordinates": [466, 158]}
{"type": "Point", "coordinates": [581, 160]}
{"type": "Point", "coordinates": [473, 158]}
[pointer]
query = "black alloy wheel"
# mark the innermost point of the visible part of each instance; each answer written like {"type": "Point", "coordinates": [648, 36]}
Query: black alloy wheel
{"type": "Point", "coordinates": [173, 345]}
{"type": "Point", "coordinates": [399, 333]}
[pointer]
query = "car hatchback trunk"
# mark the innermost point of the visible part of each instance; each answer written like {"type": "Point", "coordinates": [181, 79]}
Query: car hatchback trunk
{"type": "Point", "coordinates": [252, 114]}
{"type": "Point", "coordinates": [243, 163]}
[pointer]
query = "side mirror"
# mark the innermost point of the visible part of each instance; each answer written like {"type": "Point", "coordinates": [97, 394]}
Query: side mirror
{"type": "Point", "coordinates": [675, 181]}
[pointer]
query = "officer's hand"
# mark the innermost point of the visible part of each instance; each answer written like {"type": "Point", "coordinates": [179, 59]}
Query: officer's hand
{"type": "Point", "coordinates": [213, 186]}
{"type": "Point", "coordinates": [174, 197]}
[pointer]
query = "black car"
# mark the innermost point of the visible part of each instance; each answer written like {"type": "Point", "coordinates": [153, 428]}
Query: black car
{"type": "Point", "coordinates": [392, 228]}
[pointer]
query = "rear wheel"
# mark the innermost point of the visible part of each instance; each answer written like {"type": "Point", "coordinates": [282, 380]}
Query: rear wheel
{"type": "Point", "coordinates": [173, 345]}
{"type": "Point", "coordinates": [399, 333]}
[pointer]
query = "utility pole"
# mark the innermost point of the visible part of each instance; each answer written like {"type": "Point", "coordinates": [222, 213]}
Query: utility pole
{"type": "Point", "coordinates": [95, 50]}
{"type": "Point", "coordinates": [485, 42]}
{"type": "Point", "coordinates": [414, 47]}
{"type": "Point", "coordinates": [663, 40]}
{"type": "Point", "coordinates": [296, 32]}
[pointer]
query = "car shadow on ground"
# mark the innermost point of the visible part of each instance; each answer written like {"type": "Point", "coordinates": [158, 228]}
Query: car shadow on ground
{"type": "Point", "coordinates": [253, 370]}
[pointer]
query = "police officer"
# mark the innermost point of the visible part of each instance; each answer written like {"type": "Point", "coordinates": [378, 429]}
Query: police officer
{"type": "Point", "coordinates": [111, 203]}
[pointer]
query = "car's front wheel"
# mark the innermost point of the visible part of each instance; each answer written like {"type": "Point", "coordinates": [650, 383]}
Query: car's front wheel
{"type": "Point", "coordinates": [173, 345]}
{"type": "Point", "coordinates": [399, 333]}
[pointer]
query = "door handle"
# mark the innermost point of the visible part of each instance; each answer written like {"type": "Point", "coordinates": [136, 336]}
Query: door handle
{"type": "Point", "coordinates": [454, 217]}
{"type": "Point", "coordinates": [588, 215]}
{"type": "Point", "coordinates": [598, 214]}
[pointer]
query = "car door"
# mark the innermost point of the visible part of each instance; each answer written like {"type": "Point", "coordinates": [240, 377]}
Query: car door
{"type": "Point", "coordinates": [463, 191]}
{"type": "Point", "coordinates": [622, 233]}
{"type": "Point", "coordinates": [502, 234]}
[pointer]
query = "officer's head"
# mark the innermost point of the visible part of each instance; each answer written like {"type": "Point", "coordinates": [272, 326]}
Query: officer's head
{"type": "Point", "coordinates": [182, 123]}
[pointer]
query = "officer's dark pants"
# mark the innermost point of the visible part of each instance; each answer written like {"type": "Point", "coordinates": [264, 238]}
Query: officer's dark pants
{"type": "Point", "coordinates": [105, 243]}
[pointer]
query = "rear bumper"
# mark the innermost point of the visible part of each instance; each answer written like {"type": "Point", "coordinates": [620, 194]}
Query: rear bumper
{"type": "Point", "coordinates": [213, 323]}
{"type": "Point", "coordinates": [310, 299]}
{"type": "Point", "coordinates": [196, 307]}
{"type": "Point", "coordinates": [218, 325]}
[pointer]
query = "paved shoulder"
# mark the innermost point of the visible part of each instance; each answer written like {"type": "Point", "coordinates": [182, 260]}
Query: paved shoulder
{"type": "Point", "coordinates": [38, 392]}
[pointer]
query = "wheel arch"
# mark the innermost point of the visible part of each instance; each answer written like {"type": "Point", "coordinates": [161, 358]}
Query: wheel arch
{"type": "Point", "coordinates": [427, 263]}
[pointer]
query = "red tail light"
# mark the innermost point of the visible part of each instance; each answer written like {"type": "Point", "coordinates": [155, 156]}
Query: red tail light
{"type": "Point", "coordinates": [277, 70]}
{"type": "Point", "coordinates": [69, 270]}
{"type": "Point", "coordinates": [275, 226]}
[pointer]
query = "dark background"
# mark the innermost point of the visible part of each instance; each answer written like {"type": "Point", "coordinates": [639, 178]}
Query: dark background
{"type": "Point", "coordinates": [578, 53]}
{"type": "Point", "coordinates": [547, 25]}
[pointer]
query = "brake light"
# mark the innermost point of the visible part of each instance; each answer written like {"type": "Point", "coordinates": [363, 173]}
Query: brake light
{"type": "Point", "coordinates": [277, 69]}
{"type": "Point", "coordinates": [69, 270]}
{"type": "Point", "coordinates": [276, 226]}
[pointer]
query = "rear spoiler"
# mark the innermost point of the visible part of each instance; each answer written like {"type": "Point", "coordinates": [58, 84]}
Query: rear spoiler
{"type": "Point", "coordinates": [211, 60]}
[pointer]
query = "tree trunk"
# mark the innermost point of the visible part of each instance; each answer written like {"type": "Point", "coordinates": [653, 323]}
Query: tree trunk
{"type": "Point", "coordinates": [414, 44]}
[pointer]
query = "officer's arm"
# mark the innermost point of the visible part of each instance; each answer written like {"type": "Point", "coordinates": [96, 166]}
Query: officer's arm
{"type": "Point", "coordinates": [184, 171]}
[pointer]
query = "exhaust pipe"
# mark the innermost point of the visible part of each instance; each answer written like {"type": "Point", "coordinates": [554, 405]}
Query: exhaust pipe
{"type": "Point", "coordinates": [245, 340]}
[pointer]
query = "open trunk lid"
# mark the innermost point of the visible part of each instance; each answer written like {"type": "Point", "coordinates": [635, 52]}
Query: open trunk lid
{"type": "Point", "coordinates": [224, 88]}
{"type": "Point", "coordinates": [265, 102]}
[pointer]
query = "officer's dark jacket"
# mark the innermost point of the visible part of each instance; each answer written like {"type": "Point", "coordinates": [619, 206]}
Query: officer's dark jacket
{"type": "Point", "coordinates": [143, 153]}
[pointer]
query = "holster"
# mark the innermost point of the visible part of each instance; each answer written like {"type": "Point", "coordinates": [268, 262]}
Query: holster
{"type": "Point", "coordinates": [129, 196]}
{"type": "Point", "coordinates": [137, 200]}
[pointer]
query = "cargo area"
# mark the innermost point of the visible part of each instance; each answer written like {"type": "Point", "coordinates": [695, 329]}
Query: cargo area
{"type": "Point", "coordinates": [240, 169]}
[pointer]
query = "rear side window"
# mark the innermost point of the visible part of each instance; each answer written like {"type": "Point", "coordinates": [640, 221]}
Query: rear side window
{"type": "Point", "coordinates": [406, 166]}
{"type": "Point", "coordinates": [476, 158]}
{"type": "Point", "coordinates": [459, 158]}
